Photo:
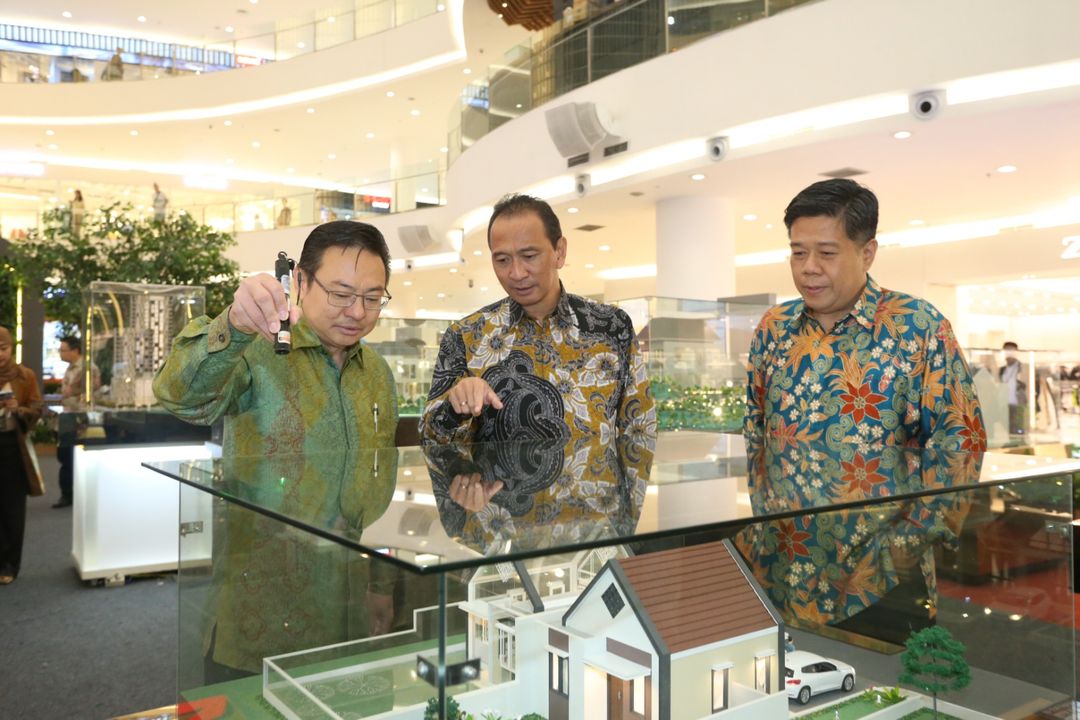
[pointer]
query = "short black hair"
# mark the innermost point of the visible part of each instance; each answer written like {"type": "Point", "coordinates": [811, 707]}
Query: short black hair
{"type": "Point", "coordinates": [73, 343]}
{"type": "Point", "coordinates": [1010, 345]}
{"type": "Point", "coordinates": [347, 235]}
{"type": "Point", "coordinates": [855, 204]}
{"type": "Point", "coordinates": [514, 204]}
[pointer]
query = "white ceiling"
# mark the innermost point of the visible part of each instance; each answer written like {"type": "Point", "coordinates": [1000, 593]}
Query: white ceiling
{"type": "Point", "coordinates": [944, 173]}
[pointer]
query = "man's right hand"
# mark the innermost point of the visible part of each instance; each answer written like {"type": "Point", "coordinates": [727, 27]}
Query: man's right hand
{"type": "Point", "coordinates": [471, 395]}
{"type": "Point", "coordinates": [259, 306]}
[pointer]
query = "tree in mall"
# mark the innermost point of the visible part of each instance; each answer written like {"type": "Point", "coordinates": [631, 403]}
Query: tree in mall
{"type": "Point", "coordinates": [934, 663]}
{"type": "Point", "coordinates": [119, 246]}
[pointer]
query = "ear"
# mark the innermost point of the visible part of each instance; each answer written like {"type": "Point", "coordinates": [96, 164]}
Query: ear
{"type": "Point", "coordinates": [560, 253]}
{"type": "Point", "coordinates": [869, 252]}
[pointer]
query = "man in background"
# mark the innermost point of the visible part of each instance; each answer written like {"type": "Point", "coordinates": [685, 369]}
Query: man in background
{"type": "Point", "coordinates": [73, 397]}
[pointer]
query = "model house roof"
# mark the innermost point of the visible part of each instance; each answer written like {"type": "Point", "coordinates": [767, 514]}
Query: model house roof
{"type": "Point", "coordinates": [697, 595]}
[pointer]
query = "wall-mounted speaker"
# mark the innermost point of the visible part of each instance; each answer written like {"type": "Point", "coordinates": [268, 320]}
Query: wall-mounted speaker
{"type": "Point", "coordinates": [415, 238]}
{"type": "Point", "coordinates": [576, 128]}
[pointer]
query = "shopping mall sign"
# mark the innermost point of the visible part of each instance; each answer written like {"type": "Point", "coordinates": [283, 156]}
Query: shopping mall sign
{"type": "Point", "coordinates": [1072, 247]}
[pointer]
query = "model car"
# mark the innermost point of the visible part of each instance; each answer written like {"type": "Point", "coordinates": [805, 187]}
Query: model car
{"type": "Point", "coordinates": [808, 674]}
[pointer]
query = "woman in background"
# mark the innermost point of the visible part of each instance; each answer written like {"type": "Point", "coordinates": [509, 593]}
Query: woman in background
{"type": "Point", "coordinates": [20, 406]}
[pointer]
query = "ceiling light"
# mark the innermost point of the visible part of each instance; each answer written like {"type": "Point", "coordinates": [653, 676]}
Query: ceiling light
{"type": "Point", "coordinates": [768, 226]}
{"type": "Point", "coordinates": [254, 2]}
{"type": "Point", "coordinates": [440, 295]}
{"type": "Point", "coordinates": [133, 133]}
{"type": "Point", "coordinates": [66, 13]}
{"type": "Point", "coordinates": [53, 146]}
{"type": "Point", "coordinates": [604, 248]}
{"type": "Point", "coordinates": [572, 210]}
{"type": "Point", "coordinates": [749, 217]}
{"type": "Point", "coordinates": [50, 133]}
{"type": "Point", "coordinates": [389, 93]}
{"type": "Point", "coordinates": [440, 7]}
{"type": "Point", "coordinates": [467, 71]}
{"type": "Point", "coordinates": [628, 273]}
{"type": "Point", "coordinates": [670, 20]}
{"type": "Point", "coordinates": [256, 144]}
{"type": "Point", "coordinates": [311, 111]}
{"type": "Point", "coordinates": [229, 28]}
{"type": "Point", "coordinates": [331, 19]}
{"type": "Point", "coordinates": [227, 123]}
{"type": "Point", "coordinates": [444, 149]}
{"type": "Point", "coordinates": [1007, 169]}
{"type": "Point", "coordinates": [483, 288]}
{"type": "Point", "coordinates": [697, 176]}
{"type": "Point", "coordinates": [902, 135]}
{"type": "Point", "coordinates": [453, 270]}
{"type": "Point", "coordinates": [370, 136]}
{"type": "Point", "coordinates": [25, 169]}
{"type": "Point", "coordinates": [407, 283]}
{"type": "Point", "coordinates": [1014, 82]}
{"type": "Point", "coordinates": [589, 266]}
{"type": "Point", "coordinates": [301, 45]}
{"type": "Point", "coordinates": [141, 18]}
{"type": "Point", "coordinates": [518, 106]}
{"type": "Point", "coordinates": [478, 252]}
{"type": "Point", "coordinates": [424, 190]}
{"type": "Point", "coordinates": [414, 113]}
{"type": "Point", "coordinates": [331, 156]}
{"type": "Point", "coordinates": [916, 222]}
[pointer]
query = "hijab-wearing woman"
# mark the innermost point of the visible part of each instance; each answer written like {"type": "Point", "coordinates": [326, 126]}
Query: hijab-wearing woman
{"type": "Point", "coordinates": [20, 406]}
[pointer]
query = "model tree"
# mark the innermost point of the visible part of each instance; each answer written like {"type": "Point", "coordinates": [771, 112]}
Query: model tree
{"type": "Point", "coordinates": [934, 663]}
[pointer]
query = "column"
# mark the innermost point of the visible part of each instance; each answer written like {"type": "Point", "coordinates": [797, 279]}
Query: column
{"type": "Point", "coordinates": [695, 247]}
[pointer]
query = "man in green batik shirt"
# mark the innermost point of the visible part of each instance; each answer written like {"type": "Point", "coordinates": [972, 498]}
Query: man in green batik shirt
{"type": "Point", "coordinates": [330, 393]}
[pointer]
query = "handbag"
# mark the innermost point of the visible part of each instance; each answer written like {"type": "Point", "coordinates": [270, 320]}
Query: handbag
{"type": "Point", "coordinates": [35, 483]}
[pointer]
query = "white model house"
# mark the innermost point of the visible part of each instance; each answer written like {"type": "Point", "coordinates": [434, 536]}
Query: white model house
{"type": "Point", "coordinates": [675, 635]}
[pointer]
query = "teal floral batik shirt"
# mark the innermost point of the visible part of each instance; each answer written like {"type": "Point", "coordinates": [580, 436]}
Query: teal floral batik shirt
{"type": "Point", "coordinates": [889, 373]}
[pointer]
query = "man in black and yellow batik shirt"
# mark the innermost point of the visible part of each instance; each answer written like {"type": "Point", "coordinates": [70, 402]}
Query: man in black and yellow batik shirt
{"type": "Point", "coordinates": [541, 363]}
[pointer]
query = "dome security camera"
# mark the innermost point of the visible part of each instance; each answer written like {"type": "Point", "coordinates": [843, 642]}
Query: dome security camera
{"type": "Point", "coordinates": [582, 183]}
{"type": "Point", "coordinates": [408, 264]}
{"type": "Point", "coordinates": [716, 148]}
{"type": "Point", "coordinates": [926, 105]}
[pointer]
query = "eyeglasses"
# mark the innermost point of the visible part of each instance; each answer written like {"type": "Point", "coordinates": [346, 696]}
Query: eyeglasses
{"type": "Point", "coordinates": [346, 299]}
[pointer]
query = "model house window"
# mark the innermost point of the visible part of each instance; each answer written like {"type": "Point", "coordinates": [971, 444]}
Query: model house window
{"type": "Point", "coordinates": [720, 689]}
{"type": "Point", "coordinates": [560, 674]}
{"type": "Point", "coordinates": [637, 696]}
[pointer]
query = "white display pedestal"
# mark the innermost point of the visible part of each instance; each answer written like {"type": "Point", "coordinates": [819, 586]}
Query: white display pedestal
{"type": "Point", "coordinates": [126, 517]}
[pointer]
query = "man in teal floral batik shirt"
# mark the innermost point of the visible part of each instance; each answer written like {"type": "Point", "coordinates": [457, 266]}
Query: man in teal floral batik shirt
{"type": "Point", "coordinates": [854, 373]}
{"type": "Point", "coordinates": [851, 363]}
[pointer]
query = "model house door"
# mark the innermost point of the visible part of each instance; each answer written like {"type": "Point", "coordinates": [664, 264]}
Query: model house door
{"type": "Point", "coordinates": [629, 699]}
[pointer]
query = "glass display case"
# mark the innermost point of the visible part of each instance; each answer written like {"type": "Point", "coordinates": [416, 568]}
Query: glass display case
{"type": "Point", "coordinates": [129, 330]}
{"type": "Point", "coordinates": [411, 347]}
{"type": "Point", "coordinates": [619, 581]}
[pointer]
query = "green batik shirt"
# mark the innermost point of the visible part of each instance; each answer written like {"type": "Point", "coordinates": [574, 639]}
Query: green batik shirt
{"type": "Point", "coordinates": [299, 403]}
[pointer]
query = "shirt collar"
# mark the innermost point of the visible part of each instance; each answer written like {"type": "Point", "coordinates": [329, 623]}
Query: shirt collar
{"type": "Point", "coordinates": [563, 312]}
{"type": "Point", "coordinates": [864, 312]}
{"type": "Point", "coordinates": [303, 336]}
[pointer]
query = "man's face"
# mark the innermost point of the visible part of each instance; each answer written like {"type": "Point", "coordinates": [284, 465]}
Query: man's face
{"type": "Point", "coordinates": [525, 262]}
{"type": "Point", "coordinates": [343, 272]}
{"type": "Point", "coordinates": [5, 352]}
{"type": "Point", "coordinates": [828, 267]}
{"type": "Point", "coordinates": [67, 354]}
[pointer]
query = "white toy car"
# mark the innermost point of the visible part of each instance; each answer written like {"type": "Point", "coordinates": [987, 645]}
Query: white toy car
{"type": "Point", "coordinates": [808, 674]}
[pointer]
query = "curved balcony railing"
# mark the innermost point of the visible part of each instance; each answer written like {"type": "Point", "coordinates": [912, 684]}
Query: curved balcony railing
{"type": "Point", "coordinates": [593, 40]}
{"type": "Point", "coordinates": [41, 55]}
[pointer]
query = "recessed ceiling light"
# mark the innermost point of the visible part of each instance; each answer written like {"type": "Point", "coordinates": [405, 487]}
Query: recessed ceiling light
{"type": "Point", "coordinates": [407, 283]}
{"type": "Point", "coordinates": [54, 200]}
{"type": "Point", "coordinates": [331, 156]}
{"type": "Point", "coordinates": [749, 217]}
{"type": "Point", "coordinates": [440, 295]}
{"type": "Point", "coordinates": [370, 136]}
{"type": "Point", "coordinates": [389, 93]}
{"type": "Point", "coordinates": [311, 111]}
{"type": "Point", "coordinates": [902, 135]}
{"type": "Point", "coordinates": [254, 2]}
{"type": "Point", "coordinates": [66, 13]}
{"type": "Point", "coordinates": [467, 71]}
{"type": "Point", "coordinates": [50, 133]}
{"type": "Point", "coordinates": [478, 252]}
{"type": "Point", "coordinates": [229, 28]}
{"type": "Point", "coordinates": [768, 226]}
{"type": "Point", "coordinates": [440, 7]}
{"type": "Point", "coordinates": [518, 106]}
{"type": "Point", "coordinates": [589, 266]}
{"type": "Point", "coordinates": [127, 192]}
{"type": "Point", "coordinates": [604, 248]}
{"type": "Point", "coordinates": [916, 222]}
{"type": "Point", "coordinates": [571, 210]}
{"type": "Point", "coordinates": [500, 16]}
{"type": "Point", "coordinates": [453, 270]}
{"type": "Point", "coordinates": [414, 112]}
{"type": "Point", "coordinates": [1007, 169]}
{"type": "Point", "coordinates": [331, 19]}
{"type": "Point", "coordinates": [483, 288]}
{"type": "Point", "coordinates": [133, 133]}
{"type": "Point", "coordinates": [424, 190]}
{"type": "Point", "coordinates": [301, 45]}
{"type": "Point", "coordinates": [141, 18]}
{"type": "Point", "coordinates": [227, 123]}
{"type": "Point", "coordinates": [697, 176]}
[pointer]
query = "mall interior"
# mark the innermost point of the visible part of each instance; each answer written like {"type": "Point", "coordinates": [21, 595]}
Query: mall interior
{"type": "Point", "coordinates": [668, 136]}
